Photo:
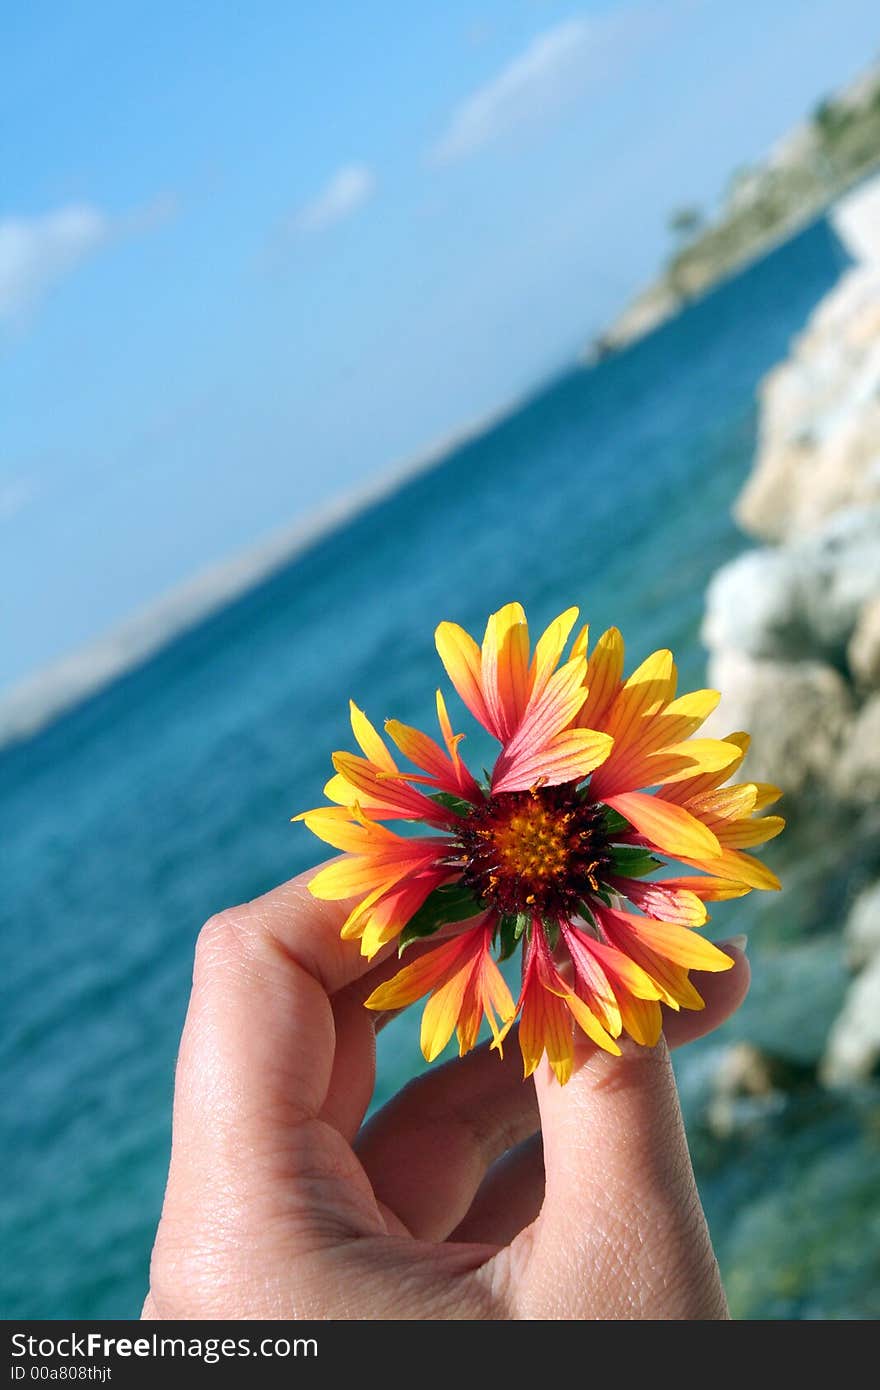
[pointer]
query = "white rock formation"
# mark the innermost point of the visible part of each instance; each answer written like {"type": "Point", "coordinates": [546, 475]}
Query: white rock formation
{"type": "Point", "coordinates": [863, 652]}
{"type": "Point", "coordinates": [819, 445]}
{"type": "Point", "coordinates": [852, 1052]}
{"type": "Point", "coordinates": [862, 930]}
{"type": "Point", "coordinates": [802, 600]}
{"type": "Point", "coordinates": [854, 776]}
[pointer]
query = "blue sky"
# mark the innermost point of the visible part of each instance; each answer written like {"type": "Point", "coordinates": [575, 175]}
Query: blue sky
{"type": "Point", "coordinates": [252, 255]}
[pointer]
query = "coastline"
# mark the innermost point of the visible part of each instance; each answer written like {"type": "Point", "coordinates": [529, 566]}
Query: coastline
{"type": "Point", "coordinates": [33, 703]}
{"type": "Point", "coordinates": [828, 156]}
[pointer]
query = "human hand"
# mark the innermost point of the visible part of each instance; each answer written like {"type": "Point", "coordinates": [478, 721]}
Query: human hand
{"type": "Point", "coordinates": [280, 1205]}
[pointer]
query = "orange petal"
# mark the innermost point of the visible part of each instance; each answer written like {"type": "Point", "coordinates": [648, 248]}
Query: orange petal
{"type": "Point", "coordinates": [589, 1024]}
{"type": "Point", "coordinates": [419, 976]}
{"type": "Point", "coordinates": [377, 922]}
{"type": "Point", "coordinates": [353, 836]}
{"type": "Point", "coordinates": [593, 983]}
{"type": "Point", "coordinates": [627, 977]}
{"type": "Point", "coordinates": [497, 998]}
{"type": "Point", "coordinates": [669, 903]}
{"type": "Point", "coordinates": [682, 792]}
{"type": "Point", "coordinates": [679, 944]}
{"type": "Point", "coordinates": [545, 1026]}
{"type": "Point", "coordinates": [392, 793]}
{"type": "Point", "coordinates": [485, 996]}
{"type": "Point", "coordinates": [351, 876]}
{"type": "Point", "coordinates": [420, 748]}
{"type": "Point", "coordinates": [549, 648]}
{"type": "Point", "coordinates": [463, 662]}
{"type": "Point", "coordinates": [642, 1019]}
{"type": "Point", "coordinates": [704, 755]}
{"type": "Point", "coordinates": [547, 715]}
{"type": "Point", "coordinates": [671, 980]}
{"type": "Point", "coordinates": [738, 867]}
{"type": "Point", "coordinates": [371, 743]}
{"type": "Point", "coordinates": [671, 828]}
{"type": "Point", "coordinates": [505, 668]}
{"type": "Point", "coordinates": [467, 786]}
{"type": "Point", "coordinates": [680, 719]}
{"type": "Point", "coordinates": [709, 889]}
{"type": "Point", "coordinates": [628, 771]}
{"type": "Point", "coordinates": [355, 874]}
{"type": "Point", "coordinates": [541, 969]}
{"type": "Point", "coordinates": [441, 1012]}
{"type": "Point", "coordinates": [341, 791]}
{"type": "Point", "coordinates": [567, 757]}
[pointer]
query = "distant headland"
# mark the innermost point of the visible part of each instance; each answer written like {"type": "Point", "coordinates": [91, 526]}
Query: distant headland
{"type": "Point", "coordinates": [835, 147]}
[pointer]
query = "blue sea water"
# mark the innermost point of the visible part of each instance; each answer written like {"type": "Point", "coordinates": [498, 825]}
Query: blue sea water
{"type": "Point", "coordinates": [168, 796]}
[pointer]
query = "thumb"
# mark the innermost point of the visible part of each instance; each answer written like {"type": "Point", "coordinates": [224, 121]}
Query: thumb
{"type": "Point", "coordinates": [622, 1232]}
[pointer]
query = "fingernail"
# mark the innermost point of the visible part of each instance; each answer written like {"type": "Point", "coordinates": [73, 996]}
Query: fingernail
{"type": "Point", "coordinates": [739, 943]}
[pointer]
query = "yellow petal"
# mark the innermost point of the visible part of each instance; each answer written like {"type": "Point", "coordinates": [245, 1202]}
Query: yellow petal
{"type": "Point", "coordinates": [581, 643]}
{"type": "Point", "coordinates": [725, 804]}
{"type": "Point", "coordinates": [766, 795]}
{"type": "Point", "coordinates": [372, 745]}
{"type": "Point", "coordinates": [703, 755]}
{"type": "Point", "coordinates": [711, 889]}
{"type": "Point", "coordinates": [498, 996]}
{"type": "Point", "coordinates": [441, 1013]}
{"type": "Point", "coordinates": [668, 826]}
{"type": "Point", "coordinates": [590, 1025]}
{"type": "Point", "coordinates": [415, 979]}
{"type": "Point", "coordinates": [340, 790]}
{"type": "Point", "coordinates": [690, 788]}
{"type": "Point", "coordinates": [642, 1019]}
{"type": "Point", "coordinates": [680, 945]}
{"type": "Point", "coordinates": [505, 668]}
{"type": "Point", "coordinates": [348, 877]}
{"type": "Point", "coordinates": [742, 834]}
{"type": "Point", "coordinates": [546, 1027]}
{"type": "Point", "coordinates": [463, 662]}
{"type": "Point", "coordinates": [549, 647]}
{"type": "Point", "coordinates": [604, 672]}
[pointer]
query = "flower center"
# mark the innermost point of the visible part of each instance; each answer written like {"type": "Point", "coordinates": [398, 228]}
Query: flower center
{"type": "Point", "coordinates": [538, 851]}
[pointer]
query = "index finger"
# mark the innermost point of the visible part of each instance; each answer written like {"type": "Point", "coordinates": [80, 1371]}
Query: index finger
{"type": "Point", "coordinates": [254, 1067]}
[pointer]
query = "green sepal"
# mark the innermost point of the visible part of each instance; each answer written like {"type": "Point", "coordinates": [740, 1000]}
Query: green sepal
{"type": "Point", "coordinates": [458, 804]}
{"type": "Point", "coordinates": [551, 931]}
{"type": "Point", "coordinates": [510, 928]}
{"type": "Point", "coordinates": [586, 912]}
{"type": "Point", "coordinates": [604, 896]}
{"type": "Point", "coordinates": [451, 903]}
{"type": "Point", "coordinates": [633, 861]}
{"type": "Point", "coordinates": [615, 823]}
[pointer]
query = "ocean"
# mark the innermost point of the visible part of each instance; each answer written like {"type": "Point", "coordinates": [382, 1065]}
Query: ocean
{"type": "Point", "coordinates": [168, 795]}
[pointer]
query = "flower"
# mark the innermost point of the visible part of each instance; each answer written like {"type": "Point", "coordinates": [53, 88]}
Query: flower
{"type": "Point", "coordinates": [599, 782]}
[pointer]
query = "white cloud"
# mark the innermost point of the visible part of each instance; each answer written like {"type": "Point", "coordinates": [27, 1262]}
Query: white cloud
{"type": "Point", "coordinates": [348, 189]}
{"type": "Point", "coordinates": [556, 66]}
{"type": "Point", "coordinates": [37, 252]}
{"type": "Point", "coordinates": [15, 495]}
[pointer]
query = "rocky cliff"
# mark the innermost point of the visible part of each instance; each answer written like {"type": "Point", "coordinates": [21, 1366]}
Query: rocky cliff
{"type": "Point", "coordinates": [793, 628]}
